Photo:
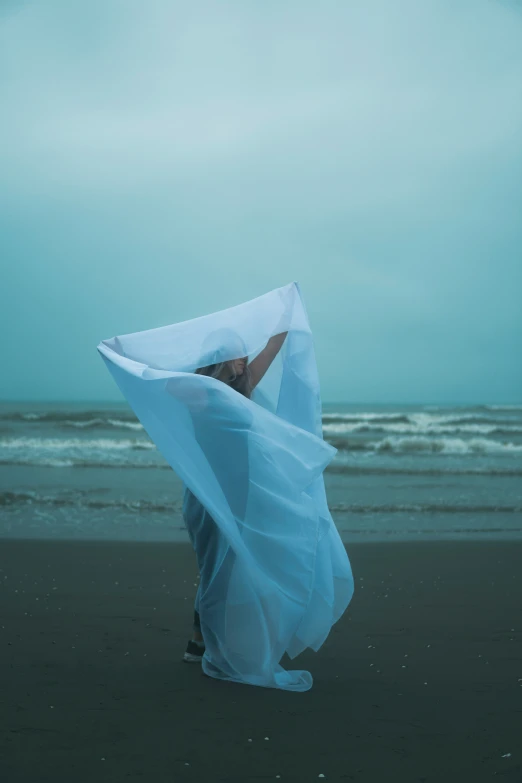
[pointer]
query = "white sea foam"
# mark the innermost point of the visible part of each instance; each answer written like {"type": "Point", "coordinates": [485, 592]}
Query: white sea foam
{"type": "Point", "coordinates": [66, 444]}
{"type": "Point", "coordinates": [421, 427]}
{"type": "Point", "coordinates": [106, 423]}
{"type": "Point", "coordinates": [83, 424]}
{"type": "Point", "coordinates": [446, 446]}
{"type": "Point", "coordinates": [130, 425]}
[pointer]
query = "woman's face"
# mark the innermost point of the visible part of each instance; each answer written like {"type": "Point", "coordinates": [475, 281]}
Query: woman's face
{"type": "Point", "coordinates": [238, 365]}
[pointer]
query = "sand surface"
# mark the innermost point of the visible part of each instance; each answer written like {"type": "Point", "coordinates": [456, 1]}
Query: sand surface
{"type": "Point", "coordinates": [421, 680]}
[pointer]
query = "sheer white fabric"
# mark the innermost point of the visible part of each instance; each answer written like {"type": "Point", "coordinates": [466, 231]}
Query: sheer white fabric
{"type": "Point", "coordinates": [279, 576]}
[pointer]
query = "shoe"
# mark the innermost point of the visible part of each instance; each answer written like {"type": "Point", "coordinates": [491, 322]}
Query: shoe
{"type": "Point", "coordinates": [194, 652]}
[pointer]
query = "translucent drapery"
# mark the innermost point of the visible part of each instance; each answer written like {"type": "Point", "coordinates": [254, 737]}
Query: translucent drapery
{"type": "Point", "coordinates": [280, 576]}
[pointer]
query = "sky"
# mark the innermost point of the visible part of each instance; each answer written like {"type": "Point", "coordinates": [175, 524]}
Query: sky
{"type": "Point", "coordinates": [164, 160]}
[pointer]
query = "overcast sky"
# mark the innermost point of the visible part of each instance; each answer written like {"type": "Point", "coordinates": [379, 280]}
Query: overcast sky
{"type": "Point", "coordinates": [162, 160]}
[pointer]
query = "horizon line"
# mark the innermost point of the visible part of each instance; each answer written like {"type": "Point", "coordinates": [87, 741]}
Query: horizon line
{"type": "Point", "coordinates": [97, 401]}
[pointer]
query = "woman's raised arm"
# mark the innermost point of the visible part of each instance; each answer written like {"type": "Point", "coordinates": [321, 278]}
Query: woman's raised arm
{"type": "Point", "coordinates": [264, 359]}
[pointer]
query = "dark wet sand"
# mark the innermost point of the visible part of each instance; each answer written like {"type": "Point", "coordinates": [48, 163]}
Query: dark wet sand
{"type": "Point", "coordinates": [421, 680]}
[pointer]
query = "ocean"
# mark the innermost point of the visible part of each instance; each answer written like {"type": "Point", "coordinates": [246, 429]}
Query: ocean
{"type": "Point", "coordinates": [402, 472]}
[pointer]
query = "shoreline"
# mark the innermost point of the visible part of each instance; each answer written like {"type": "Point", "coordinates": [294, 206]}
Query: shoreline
{"type": "Point", "coordinates": [378, 539]}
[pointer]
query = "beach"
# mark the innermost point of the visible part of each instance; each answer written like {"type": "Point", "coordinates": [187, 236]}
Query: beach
{"type": "Point", "coordinates": [420, 680]}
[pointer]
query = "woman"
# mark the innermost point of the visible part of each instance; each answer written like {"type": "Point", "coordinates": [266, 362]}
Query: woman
{"type": "Point", "coordinates": [274, 573]}
{"type": "Point", "coordinates": [243, 377]}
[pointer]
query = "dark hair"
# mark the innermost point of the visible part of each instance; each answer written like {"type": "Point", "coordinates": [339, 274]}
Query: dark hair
{"type": "Point", "coordinates": [241, 383]}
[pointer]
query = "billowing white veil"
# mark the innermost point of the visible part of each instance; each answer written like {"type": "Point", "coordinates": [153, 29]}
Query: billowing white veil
{"type": "Point", "coordinates": [283, 577]}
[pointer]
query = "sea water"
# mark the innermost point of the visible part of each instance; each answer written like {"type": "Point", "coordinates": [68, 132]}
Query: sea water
{"type": "Point", "coordinates": [402, 472]}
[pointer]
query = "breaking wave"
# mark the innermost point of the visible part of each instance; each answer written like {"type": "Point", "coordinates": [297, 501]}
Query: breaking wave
{"type": "Point", "coordinates": [412, 445]}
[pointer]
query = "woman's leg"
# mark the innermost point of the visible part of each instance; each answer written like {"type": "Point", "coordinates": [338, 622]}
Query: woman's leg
{"type": "Point", "coordinates": [207, 543]}
{"type": "Point", "coordinates": [193, 513]}
{"type": "Point", "coordinates": [196, 628]}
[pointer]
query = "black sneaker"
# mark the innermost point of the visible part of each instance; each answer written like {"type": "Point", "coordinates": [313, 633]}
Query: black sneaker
{"type": "Point", "coordinates": [194, 652]}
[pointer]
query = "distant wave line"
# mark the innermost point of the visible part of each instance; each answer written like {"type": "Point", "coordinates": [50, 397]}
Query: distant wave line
{"type": "Point", "coordinates": [32, 498]}
{"type": "Point", "coordinates": [427, 430]}
{"type": "Point", "coordinates": [49, 462]}
{"type": "Point", "coordinates": [335, 467]}
{"type": "Point", "coordinates": [8, 499]}
{"type": "Point", "coordinates": [77, 447]}
{"type": "Point", "coordinates": [439, 532]}
{"type": "Point", "coordinates": [424, 444]}
{"type": "Point", "coordinates": [422, 508]}
{"type": "Point", "coordinates": [356, 470]}
{"type": "Point", "coordinates": [68, 415]}
{"type": "Point", "coordinates": [62, 444]}
{"type": "Point", "coordinates": [117, 416]}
